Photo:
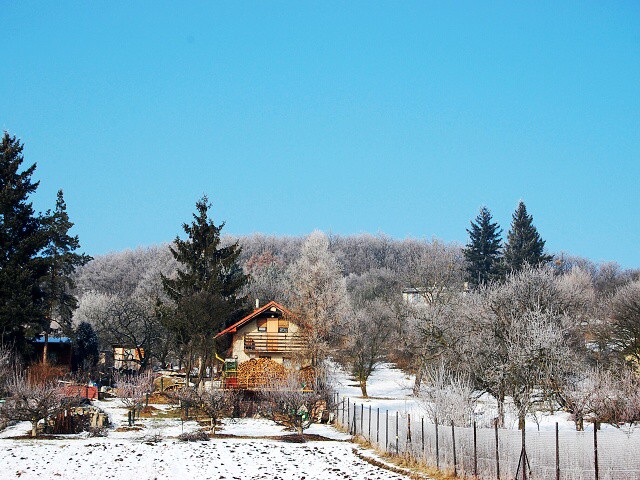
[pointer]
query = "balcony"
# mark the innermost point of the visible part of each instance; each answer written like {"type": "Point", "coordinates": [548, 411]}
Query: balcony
{"type": "Point", "coordinates": [273, 342]}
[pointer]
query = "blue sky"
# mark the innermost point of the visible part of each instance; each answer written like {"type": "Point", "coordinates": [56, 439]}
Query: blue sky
{"type": "Point", "coordinates": [395, 117]}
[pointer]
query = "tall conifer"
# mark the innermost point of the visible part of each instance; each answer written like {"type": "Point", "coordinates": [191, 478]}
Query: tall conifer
{"type": "Point", "coordinates": [206, 290]}
{"type": "Point", "coordinates": [483, 251]}
{"type": "Point", "coordinates": [524, 244]}
{"type": "Point", "coordinates": [61, 259]}
{"type": "Point", "coordinates": [22, 237]}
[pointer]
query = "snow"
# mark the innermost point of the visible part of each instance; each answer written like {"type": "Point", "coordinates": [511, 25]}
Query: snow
{"type": "Point", "coordinates": [131, 454]}
{"type": "Point", "coordinates": [391, 389]}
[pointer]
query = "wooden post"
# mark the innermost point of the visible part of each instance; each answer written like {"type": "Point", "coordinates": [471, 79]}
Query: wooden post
{"type": "Point", "coordinates": [524, 454]}
{"type": "Point", "coordinates": [355, 414]}
{"type": "Point", "coordinates": [408, 427]}
{"type": "Point", "coordinates": [595, 449]}
{"type": "Point", "coordinates": [362, 419]}
{"type": "Point", "coordinates": [348, 414]}
{"type": "Point", "coordinates": [437, 447]}
{"type": "Point", "coordinates": [422, 434]}
{"type": "Point", "coordinates": [378, 427]}
{"type": "Point", "coordinates": [162, 384]}
{"type": "Point", "coordinates": [495, 425]}
{"type": "Point", "coordinates": [557, 454]}
{"type": "Point", "coordinates": [475, 450]}
{"type": "Point", "coordinates": [453, 439]}
{"type": "Point", "coordinates": [369, 422]}
{"type": "Point", "coordinates": [397, 430]}
{"type": "Point", "coordinates": [386, 434]}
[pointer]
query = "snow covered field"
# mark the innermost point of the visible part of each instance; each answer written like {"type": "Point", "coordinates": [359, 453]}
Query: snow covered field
{"type": "Point", "coordinates": [133, 454]}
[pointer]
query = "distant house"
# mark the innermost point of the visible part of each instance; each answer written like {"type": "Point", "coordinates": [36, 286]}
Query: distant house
{"type": "Point", "coordinates": [59, 350]}
{"type": "Point", "coordinates": [424, 295]}
{"type": "Point", "coordinates": [268, 332]}
{"type": "Point", "coordinates": [127, 358]}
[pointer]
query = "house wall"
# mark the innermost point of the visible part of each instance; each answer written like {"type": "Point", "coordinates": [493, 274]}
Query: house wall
{"type": "Point", "coordinates": [238, 350]}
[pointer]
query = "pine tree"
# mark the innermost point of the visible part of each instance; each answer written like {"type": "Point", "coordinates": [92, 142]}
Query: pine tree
{"type": "Point", "coordinates": [61, 261]}
{"type": "Point", "coordinates": [524, 244]}
{"type": "Point", "coordinates": [483, 251]}
{"type": "Point", "coordinates": [206, 290]}
{"type": "Point", "coordinates": [22, 237]}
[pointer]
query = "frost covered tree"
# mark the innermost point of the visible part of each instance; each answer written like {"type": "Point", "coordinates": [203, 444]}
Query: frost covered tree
{"type": "Point", "coordinates": [267, 278]}
{"type": "Point", "coordinates": [318, 296]}
{"type": "Point", "coordinates": [484, 249]}
{"type": "Point", "coordinates": [524, 245]}
{"type": "Point", "coordinates": [447, 396]}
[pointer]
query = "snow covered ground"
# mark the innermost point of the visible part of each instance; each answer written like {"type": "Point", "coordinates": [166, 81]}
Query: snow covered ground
{"type": "Point", "coordinates": [133, 454]}
{"type": "Point", "coordinates": [391, 389]}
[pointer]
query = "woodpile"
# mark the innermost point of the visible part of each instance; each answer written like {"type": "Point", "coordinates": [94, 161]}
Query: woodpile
{"type": "Point", "coordinates": [260, 372]}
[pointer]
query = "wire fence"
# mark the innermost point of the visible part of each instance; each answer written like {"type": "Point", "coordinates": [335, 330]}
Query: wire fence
{"type": "Point", "coordinates": [493, 453]}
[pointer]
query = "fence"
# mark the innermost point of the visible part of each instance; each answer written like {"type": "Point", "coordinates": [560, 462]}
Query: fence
{"type": "Point", "coordinates": [492, 453]}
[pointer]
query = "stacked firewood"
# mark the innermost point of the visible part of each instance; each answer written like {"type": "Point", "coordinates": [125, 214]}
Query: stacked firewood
{"type": "Point", "coordinates": [260, 372]}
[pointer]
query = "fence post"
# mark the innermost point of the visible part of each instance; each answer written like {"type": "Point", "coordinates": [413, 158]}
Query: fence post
{"type": "Point", "coordinates": [386, 434]}
{"type": "Point", "coordinates": [495, 425]}
{"type": "Point", "coordinates": [422, 434]}
{"type": "Point", "coordinates": [475, 450]}
{"type": "Point", "coordinates": [557, 454]}
{"type": "Point", "coordinates": [362, 419]}
{"type": "Point", "coordinates": [595, 449]}
{"type": "Point", "coordinates": [348, 414]}
{"type": "Point", "coordinates": [437, 446]}
{"type": "Point", "coordinates": [408, 427]}
{"type": "Point", "coordinates": [355, 414]}
{"type": "Point", "coordinates": [453, 439]}
{"type": "Point", "coordinates": [378, 427]}
{"type": "Point", "coordinates": [369, 422]}
{"type": "Point", "coordinates": [398, 430]}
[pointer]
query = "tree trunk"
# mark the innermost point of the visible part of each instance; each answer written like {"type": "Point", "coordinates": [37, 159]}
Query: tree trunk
{"type": "Point", "coordinates": [45, 348]}
{"type": "Point", "coordinates": [419, 377]}
{"type": "Point", "coordinates": [299, 424]}
{"type": "Point", "coordinates": [501, 410]}
{"type": "Point", "coordinates": [363, 387]}
{"type": "Point", "coordinates": [213, 426]}
{"type": "Point", "coordinates": [34, 428]}
{"type": "Point", "coordinates": [579, 423]}
{"type": "Point", "coordinates": [521, 420]}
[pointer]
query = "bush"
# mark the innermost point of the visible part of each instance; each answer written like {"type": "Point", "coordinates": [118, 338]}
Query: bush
{"type": "Point", "coordinates": [198, 436]}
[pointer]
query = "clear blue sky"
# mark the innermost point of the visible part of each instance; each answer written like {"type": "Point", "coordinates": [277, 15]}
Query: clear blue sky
{"type": "Point", "coordinates": [350, 117]}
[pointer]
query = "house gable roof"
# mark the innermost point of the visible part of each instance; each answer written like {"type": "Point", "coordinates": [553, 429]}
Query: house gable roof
{"type": "Point", "coordinates": [233, 328]}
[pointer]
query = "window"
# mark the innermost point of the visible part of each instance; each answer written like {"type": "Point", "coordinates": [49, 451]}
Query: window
{"type": "Point", "coordinates": [283, 325]}
{"type": "Point", "coordinates": [262, 324]}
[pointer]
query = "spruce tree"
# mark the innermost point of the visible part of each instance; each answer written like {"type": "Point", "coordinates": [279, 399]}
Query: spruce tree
{"type": "Point", "coordinates": [206, 291]}
{"type": "Point", "coordinates": [524, 244]}
{"type": "Point", "coordinates": [483, 251]}
{"type": "Point", "coordinates": [61, 260]}
{"type": "Point", "coordinates": [22, 238]}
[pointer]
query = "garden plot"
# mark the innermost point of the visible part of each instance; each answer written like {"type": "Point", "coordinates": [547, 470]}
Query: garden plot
{"type": "Point", "coordinates": [153, 452]}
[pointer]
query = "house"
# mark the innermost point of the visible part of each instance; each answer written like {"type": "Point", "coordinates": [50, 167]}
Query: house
{"type": "Point", "coordinates": [127, 358]}
{"type": "Point", "coordinates": [268, 332]}
{"type": "Point", "coordinates": [59, 350]}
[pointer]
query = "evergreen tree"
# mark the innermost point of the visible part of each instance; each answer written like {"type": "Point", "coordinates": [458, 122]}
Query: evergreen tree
{"type": "Point", "coordinates": [206, 290]}
{"type": "Point", "coordinates": [22, 238]}
{"type": "Point", "coordinates": [85, 351]}
{"type": "Point", "coordinates": [483, 251]}
{"type": "Point", "coordinates": [61, 261]}
{"type": "Point", "coordinates": [524, 244]}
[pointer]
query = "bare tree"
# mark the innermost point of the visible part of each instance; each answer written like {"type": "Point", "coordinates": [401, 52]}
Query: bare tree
{"type": "Point", "coordinates": [624, 324]}
{"type": "Point", "coordinates": [216, 403]}
{"type": "Point", "coordinates": [133, 390]}
{"type": "Point", "coordinates": [295, 401]}
{"type": "Point", "coordinates": [32, 402]}
{"type": "Point", "coordinates": [366, 341]}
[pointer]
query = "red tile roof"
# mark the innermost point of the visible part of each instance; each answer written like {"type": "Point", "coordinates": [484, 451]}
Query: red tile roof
{"type": "Point", "coordinates": [233, 328]}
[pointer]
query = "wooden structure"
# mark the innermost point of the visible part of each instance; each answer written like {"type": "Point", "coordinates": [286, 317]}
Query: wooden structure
{"type": "Point", "coordinates": [127, 358]}
{"type": "Point", "coordinates": [268, 332]}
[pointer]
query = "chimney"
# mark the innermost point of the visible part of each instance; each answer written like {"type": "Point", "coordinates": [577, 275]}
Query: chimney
{"type": "Point", "coordinates": [257, 303]}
